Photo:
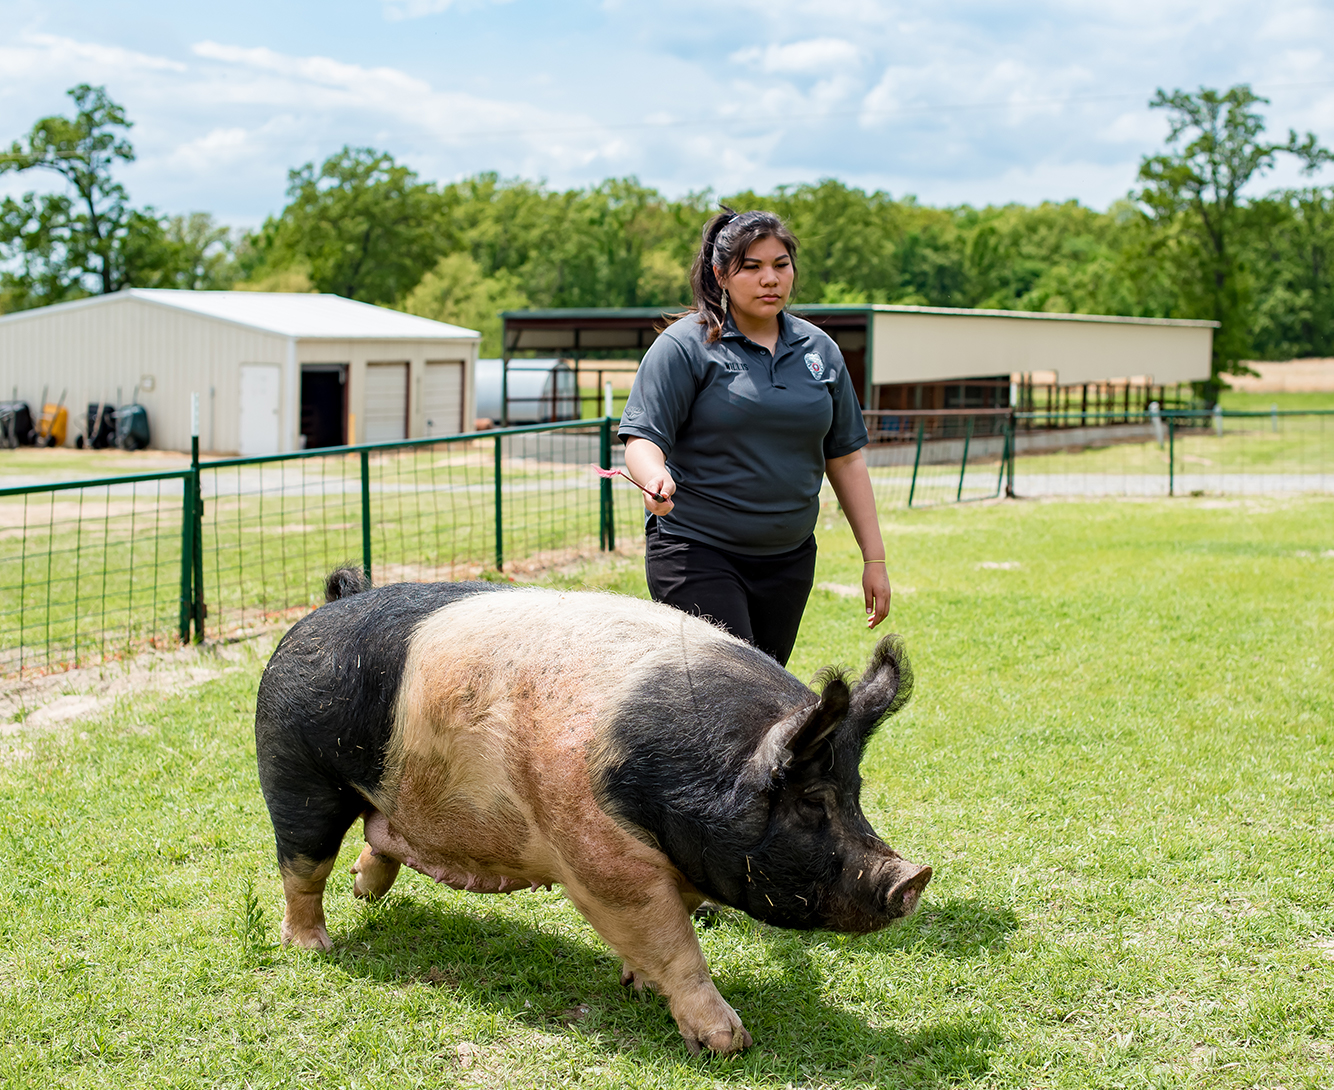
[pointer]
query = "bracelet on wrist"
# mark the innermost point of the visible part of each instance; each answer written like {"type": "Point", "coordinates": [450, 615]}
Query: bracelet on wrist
{"type": "Point", "coordinates": [866, 562]}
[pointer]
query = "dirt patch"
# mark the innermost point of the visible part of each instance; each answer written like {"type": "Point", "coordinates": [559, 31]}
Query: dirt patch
{"type": "Point", "coordinates": [50, 702]}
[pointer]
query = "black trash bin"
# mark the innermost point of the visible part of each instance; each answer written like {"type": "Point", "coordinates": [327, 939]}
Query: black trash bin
{"type": "Point", "coordinates": [131, 427]}
{"type": "Point", "coordinates": [15, 424]}
{"type": "Point", "coordinates": [101, 425]}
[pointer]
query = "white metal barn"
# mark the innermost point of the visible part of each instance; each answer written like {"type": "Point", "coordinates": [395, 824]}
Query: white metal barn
{"type": "Point", "coordinates": [274, 372]}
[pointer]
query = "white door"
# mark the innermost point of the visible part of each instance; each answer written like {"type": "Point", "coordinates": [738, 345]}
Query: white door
{"type": "Point", "coordinates": [386, 402]}
{"type": "Point", "coordinates": [261, 385]}
{"type": "Point", "coordinates": [442, 397]}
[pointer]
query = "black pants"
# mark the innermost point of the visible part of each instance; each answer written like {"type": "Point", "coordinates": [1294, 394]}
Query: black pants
{"type": "Point", "coordinates": [759, 599]}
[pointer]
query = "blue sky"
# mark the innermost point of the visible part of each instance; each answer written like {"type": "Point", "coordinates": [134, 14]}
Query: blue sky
{"type": "Point", "coordinates": [952, 102]}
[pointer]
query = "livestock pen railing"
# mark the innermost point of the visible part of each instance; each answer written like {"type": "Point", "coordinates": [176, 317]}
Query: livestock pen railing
{"type": "Point", "coordinates": [92, 570]}
{"type": "Point", "coordinates": [948, 456]}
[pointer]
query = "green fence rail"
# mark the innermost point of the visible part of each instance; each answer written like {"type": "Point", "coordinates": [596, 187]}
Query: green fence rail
{"type": "Point", "coordinates": [93, 570]}
{"type": "Point", "coordinates": [1176, 453]}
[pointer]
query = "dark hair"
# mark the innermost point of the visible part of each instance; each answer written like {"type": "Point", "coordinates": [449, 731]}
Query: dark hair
{"type": "Point", "coordinates": [727, 237]}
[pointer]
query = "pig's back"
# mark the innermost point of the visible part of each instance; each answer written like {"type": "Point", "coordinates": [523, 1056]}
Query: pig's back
{"type": "Point", "coordinates": [328, 694]}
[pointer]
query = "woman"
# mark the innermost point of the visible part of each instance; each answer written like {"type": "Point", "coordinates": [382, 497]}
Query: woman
{"type": "Point", "coordinates": [738, 411]}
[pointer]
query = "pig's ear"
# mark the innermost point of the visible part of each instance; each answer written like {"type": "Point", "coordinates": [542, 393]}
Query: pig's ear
{"type": "Point", "coordinates": [883, 689]}
{"type": "Point", "coordinates": [796, 737]}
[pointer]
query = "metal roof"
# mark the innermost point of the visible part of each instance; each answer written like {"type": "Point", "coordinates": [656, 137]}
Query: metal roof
{"type": "Point", "coordinates": [608, 328]}
{"type": "Point", "coordinates": [288, 314]}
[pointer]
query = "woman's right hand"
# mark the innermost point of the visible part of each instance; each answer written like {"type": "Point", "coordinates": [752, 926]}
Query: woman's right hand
{"type": "Point", "coordinates": [664, 486]}
{"type": "Point", "coordinates": [646, 463]}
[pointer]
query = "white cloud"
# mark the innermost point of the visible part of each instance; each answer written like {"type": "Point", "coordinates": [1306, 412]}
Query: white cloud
{"type": "Point", "coordinates": [952, 101]}
{"type": "Point", "coordinates": [818, 56]}
{"type": "Point", "coordinates": [39, 54]}
{"type": "Point", "coordinates": [397, 10]}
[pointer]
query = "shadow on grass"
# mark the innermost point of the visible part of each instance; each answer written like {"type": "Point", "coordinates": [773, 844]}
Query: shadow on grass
{"type": "Point", "coordinates": [958, 928]}
{"type": "Point", "coordinates": [559, 984]}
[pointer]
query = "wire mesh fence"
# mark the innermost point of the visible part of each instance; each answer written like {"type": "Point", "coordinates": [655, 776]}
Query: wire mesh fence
{"type": "Point", "coordinates": [1179, 454]}
{"type": "Point", "coordinates": [92, 570]}
{"type": "Point", "coordinates": [928, 457]}
{"type": "Point", "coordinates": [453, 508]}
{"type": "Point", "coordinates": [89, 570]}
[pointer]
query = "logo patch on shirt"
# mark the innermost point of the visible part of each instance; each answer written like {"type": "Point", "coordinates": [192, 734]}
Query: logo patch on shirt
{"type": "Point", "coordinates": [815, 364]}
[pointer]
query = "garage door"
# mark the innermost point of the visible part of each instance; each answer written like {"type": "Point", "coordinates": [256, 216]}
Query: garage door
{"type": "Point", "coordinates": [386, 402]}
{"type": "Point", "coordinates": [442, 397]}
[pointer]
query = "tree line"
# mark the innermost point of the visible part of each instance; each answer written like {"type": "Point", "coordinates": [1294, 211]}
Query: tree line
{"type": "Point", "coordinates": [1191, 240]}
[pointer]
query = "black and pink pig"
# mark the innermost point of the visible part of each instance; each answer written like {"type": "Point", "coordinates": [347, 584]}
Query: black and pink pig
{"type": "Point", "coordinates": [497, 739]}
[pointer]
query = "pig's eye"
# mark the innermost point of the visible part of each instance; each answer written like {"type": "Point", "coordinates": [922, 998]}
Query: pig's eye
{"type": "Point", "coordinates": [812, 808]}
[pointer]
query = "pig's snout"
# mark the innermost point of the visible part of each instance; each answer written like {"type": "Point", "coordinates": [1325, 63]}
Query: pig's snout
{"type": "Point", "coordinates": [902, 897]}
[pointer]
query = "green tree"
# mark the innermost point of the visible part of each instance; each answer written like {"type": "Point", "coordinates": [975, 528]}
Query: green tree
{"type": "Point", "coordinates": [360, 225]}
{"type": "Point", "coordinates": [456, 291]}
{"type": "Point", "coordinates": [1293, 258]}
{"type": "Point", "coordinates": [1194, 194]}
{"type": "Point", "coordinates": [88, 239]}
{"type": "Point", "coordinates": [68, 244]}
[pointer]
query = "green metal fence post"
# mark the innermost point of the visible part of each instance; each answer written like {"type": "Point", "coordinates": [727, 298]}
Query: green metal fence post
{"type": "Point", "coordinates": [195, 484]}
{"type": "Point", "coordinates": [366, 513]}
{"type": "Point", "coordinates": [1012, 437]}
{"type": "Point", "coordinates": [1171, 455]}
{"type": "Point", "coordinates": [963, 465]}
{"type": "Point", "coordinates": [187, 554]}
{"type": "Point", "coordinates": [500, 524]}
{"type": "Point", "coordinates": [917, 460]}
{"type": "Point", "coordinates": [606, 519]}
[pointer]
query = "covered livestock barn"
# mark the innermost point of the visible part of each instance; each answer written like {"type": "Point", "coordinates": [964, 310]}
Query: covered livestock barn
{"type": "Point", "coordinates": [274, 372]}
{"type": "Point", "coordinates": [923, 358]}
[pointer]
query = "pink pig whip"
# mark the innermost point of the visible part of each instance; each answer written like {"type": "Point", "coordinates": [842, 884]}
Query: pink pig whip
{"type": "Point", "coordinates": [622, 473]}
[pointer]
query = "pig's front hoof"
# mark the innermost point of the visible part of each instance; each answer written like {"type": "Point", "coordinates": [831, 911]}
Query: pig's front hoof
{"type": "Point", "coordinates": [374, 874]}
{"type": "Point", "coordinates": [722, 1041]}
{"type": "Point", "coordinates": [310, 938]}
{"type": "Point", "coordinates": [708, 1022]}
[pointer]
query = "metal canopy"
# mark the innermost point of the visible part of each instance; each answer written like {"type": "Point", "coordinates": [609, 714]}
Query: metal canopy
{"type": "Point", "coordinates": [601, 329]}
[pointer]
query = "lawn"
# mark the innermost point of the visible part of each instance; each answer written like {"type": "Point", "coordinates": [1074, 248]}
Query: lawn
{"type": "Point", "coordinates": [1118, 759]}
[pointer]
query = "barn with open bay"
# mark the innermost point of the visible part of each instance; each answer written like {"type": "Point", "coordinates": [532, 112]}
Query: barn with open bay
{"type": "Point", "coordinates": [274, 372]}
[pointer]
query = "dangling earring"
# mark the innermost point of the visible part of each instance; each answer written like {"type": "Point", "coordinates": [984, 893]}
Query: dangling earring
{"type": "Point", "coordinates": [725, 302]}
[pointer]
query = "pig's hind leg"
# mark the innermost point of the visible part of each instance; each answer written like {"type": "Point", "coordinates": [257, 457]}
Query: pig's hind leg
{"type": "Point", "coordinates": [310, 817]}
{"type": "Point", "coordinates": [660, 950]}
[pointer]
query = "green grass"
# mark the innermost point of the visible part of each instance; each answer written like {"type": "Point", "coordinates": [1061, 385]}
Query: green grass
{"type": "Point", "coordinates": [1117, 759]}
{"type": "Point", "coordinates": [1239, 401]}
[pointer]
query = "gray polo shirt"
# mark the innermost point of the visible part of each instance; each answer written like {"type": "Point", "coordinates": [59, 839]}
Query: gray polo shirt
{"type": "Point", "coordinates": [746, 433]}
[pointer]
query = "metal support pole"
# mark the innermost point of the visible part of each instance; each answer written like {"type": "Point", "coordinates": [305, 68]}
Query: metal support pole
{"type": "Point", "coordinates": [500, 524]}
{"type": "Point", "coordinates": [187, 530]}
{"type": "Point", "coordinates": [1171, 455]}
{"type": "Point", "coordinates": [187, 555]}
{"type": "Point", "coordinates": [917, 460]}
{"type": "Point", "coordinates": [606, 515]}
{"type": "Point", "coordinates": [963, 466]}
{"type": "Point", "coordinates": [200, 610]}
{"type": "Point", "coordinates": [366, 514]}
{"type": "Point", "coordinates": [1013, 440]}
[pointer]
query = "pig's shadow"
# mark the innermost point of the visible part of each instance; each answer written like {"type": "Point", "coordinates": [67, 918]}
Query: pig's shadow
{"type": "Point", "coordinates": [559, 983]}
{"type": "Point", "coordinates": [961, 927]}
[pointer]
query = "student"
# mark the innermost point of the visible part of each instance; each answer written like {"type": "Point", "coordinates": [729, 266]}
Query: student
{"type": "Point", "coordinates": [738, 411]}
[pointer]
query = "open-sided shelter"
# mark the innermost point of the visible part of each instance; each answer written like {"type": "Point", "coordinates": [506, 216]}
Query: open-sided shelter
{"type": "Point", "coordinates": [923, 358]}
{"type": "Point", "coordinates": [274, 372]}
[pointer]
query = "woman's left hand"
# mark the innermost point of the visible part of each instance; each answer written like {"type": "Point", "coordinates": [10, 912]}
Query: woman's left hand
{"type": "Point", "coordinates": [875, 589]}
